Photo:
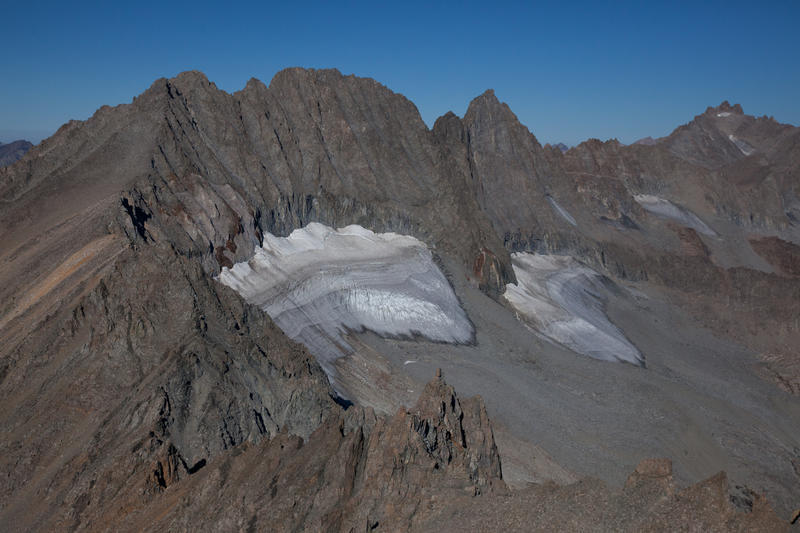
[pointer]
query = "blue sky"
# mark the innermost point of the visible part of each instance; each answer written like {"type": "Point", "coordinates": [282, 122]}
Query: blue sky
{"type": "Point", "coordinates": [570, 71]}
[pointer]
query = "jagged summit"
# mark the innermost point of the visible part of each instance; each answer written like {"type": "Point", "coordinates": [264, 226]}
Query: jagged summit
{"type": "Point", "coordinates": [725, 107]}
{"type": "Point", "coordinates": [254, 84]}
{"type": "Point", "coordinates": [487, 102]}
{"type": "Point", "coordinates": [487, 109]}
{"type": "Point", "coordinates": [291, 78]}
{"type": "Point", "coordinates": [447, 117]}
{"type": "Point", "coordinates": [192, 77]}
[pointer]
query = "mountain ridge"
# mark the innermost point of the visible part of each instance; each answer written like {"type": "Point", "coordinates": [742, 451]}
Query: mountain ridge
{"type": "Point", "coordinates": [164, 192]}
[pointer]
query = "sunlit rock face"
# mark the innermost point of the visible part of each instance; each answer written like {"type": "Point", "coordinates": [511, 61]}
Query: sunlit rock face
{"type": "Point", "coordinates": [318, 283]}
{"type": "Point", "coordinates": [564, 302]}
{"type": "Point", "coordinates": [665, 208]}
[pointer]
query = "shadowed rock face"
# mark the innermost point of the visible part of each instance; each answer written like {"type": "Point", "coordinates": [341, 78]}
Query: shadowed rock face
{"type": "Point", "coordinates": [13, 152]}
{"type": "Point", "coordinates": [134, 388]}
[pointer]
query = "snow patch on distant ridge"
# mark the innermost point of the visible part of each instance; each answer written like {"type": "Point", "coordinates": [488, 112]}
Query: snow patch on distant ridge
{"type": "Point", "coordinates": [564, 302]}
{"type": "Point", "coordinates": [745, 148]}
{"type": "Point", "coordinates": [561, 211]}
{"type": "Point", "coordinates": [318, 283]}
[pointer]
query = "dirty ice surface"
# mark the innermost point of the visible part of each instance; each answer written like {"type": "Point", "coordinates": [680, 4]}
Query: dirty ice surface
{"type": "Point", "coordinates": [564, 302]}
{"type": "Point", "coordinates": [665, 208]}
{"type": "Point", "coordinates": [561, 211]}
{"type": "Point", "coordinates": [318, 283]}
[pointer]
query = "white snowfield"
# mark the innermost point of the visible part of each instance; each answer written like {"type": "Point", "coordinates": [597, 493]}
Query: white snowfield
{"type": "Point", "coordinates": [665, 208]}
{"type": "Point", "coordinates": [743, 146]}
{"type": "Point", "coordinates": [319, 282]}
{"type": "Point", "coordinates": [724, 114]}
{"type": "Point", "coordinates": [563, 301]}
{"type": "Point", "coordinates": [561, 211]}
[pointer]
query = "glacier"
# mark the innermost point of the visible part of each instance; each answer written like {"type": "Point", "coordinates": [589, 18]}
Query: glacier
{"type": "Point", "coordinates": [319, 283]}
{"type": "Point", "coordinates": [665, 208]}
{"type": "Point", "coordinates": [563, 301]}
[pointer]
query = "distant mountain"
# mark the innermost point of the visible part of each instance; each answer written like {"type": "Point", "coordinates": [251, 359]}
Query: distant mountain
{"type": "Point", "coordinates": [563, 147]}
{"type": "Point", "coordinates": [12, 152]}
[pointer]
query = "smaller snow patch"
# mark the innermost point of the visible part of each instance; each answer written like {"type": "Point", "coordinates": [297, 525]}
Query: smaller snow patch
{"type": "Point", "coordinates": [564, 301]}
{"type": "Point", "coordinates": [664, 208]}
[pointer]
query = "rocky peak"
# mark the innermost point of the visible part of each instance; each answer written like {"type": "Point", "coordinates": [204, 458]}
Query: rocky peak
{"type": "Point", "coordinates": [192, 86]}
{"type": "Point", "coordinates": [453, 436]}
{"type": "Point", "coordinates": [708, 140]}
{"type": "Point", "coordinates": [295, 74]}
{"type": "Point", "coordinates": [254, 84]}
{"type": "Point", "coordinates": [437, 418]}
{"type": "Point", "coordinates": [351, 91]}
{"type": "Point", "coordinates": [449, 126]}
{"type": "Point", "coordinates": [484, 106]}
{"type": "Point", "coordinates": [192, 77]}
{"type": "Point", "coordinates": [486, 113]}
{"type": "Point", "coordinates": [725, 107]}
